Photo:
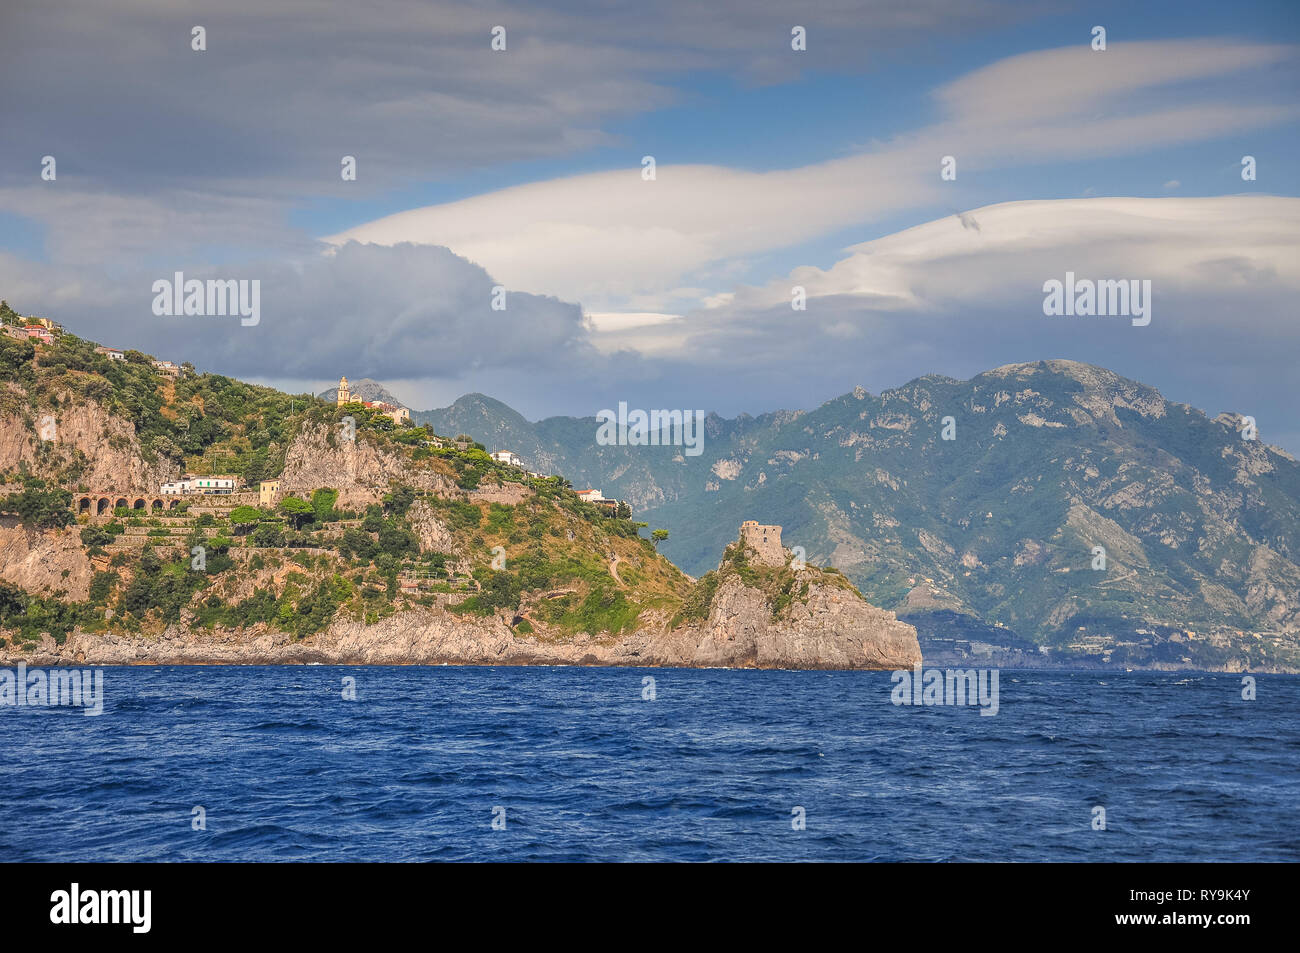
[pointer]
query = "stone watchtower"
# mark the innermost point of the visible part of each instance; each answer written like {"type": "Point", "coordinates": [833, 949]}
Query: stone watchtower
{"type": "Point", "coordinates": [766, 540]}
{"type": "Point", "coordinates": [345, 395]}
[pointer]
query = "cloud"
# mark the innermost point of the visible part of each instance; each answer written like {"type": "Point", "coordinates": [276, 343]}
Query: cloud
{"type": "Point", "coordinates": [937, 298]}
{"type": "Point", "coordinates": [162, 148]}
{"type": "Point", "coordinates": [404, 312]}
{"type": "Point", "coordinates": [944, 298]}
{"type": "Point", "coordinates": [605, 238]}
{"type": "Point", "coordinates": [1225, 245]}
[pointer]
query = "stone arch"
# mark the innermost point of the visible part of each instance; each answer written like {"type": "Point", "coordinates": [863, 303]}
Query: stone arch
{"type": "Point", "coordinates": [103, 506]}
{"type": "Point", "coordinates": [172, 504]}
{"type": "Point", "coordinates": [138, 504]}
{"type": "Point", "coordinates": [156, 505]}
{"type": "Point", "coordinates": [83, 504]}
{"type": "Point", "coordinates": [121, 502]}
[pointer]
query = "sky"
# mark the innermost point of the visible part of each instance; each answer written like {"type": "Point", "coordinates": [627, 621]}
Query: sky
{"type": "Point", "coordinates": [774, 169]}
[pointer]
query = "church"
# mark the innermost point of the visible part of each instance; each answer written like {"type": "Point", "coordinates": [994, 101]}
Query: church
{"type": "Point", "coordinates": [399, 415]}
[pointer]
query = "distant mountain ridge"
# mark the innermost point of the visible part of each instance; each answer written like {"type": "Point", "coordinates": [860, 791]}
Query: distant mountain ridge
{"type": "Point", "coordinates": [993, 532]}
{"type": "Point", "coordinates": [364, 389]}
{"type": "Point", "coordinates": [404, 551]}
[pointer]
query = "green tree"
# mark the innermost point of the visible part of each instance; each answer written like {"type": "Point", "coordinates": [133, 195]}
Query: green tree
{"type": "Point", "coordinates": [322, 504]}
{"type": "Point", "coordinates": [399, 500]}
{"type": "Point", "coordinates": [41, 508]}
{"type": "Point", "coordinates": [97, 536]}
{"type": "Point", "coordinates": [101, 586]}
{"type": "Point", "coordinates": [242, 517]}
{"type": "Point", "coordinates": [357, 543]}
{"type": "Point", "coordinates": [267, 535]}
{"type": "Point", "coordinates": [397, 541]}
{"type": "Point", "coordinates": [658, 536]}
{"type": "Point", "coordinates": [297, 511]}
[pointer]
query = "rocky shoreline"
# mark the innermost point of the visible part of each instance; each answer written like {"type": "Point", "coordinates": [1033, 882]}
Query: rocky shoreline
{"type": "Point", "coordinates": [834, 630]}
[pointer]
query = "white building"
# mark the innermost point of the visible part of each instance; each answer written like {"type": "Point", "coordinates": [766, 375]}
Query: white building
{"type": "Point", "coordinates": [590, 496]}
{"type": "Point", "coordinates": [112, 353]}
{"type": "Point", "coordinates": [506, 457]}
{"type": "Point", "coordinates": [215, 486]}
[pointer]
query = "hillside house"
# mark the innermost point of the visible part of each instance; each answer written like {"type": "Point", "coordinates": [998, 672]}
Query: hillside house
{"type": "Point", "coordinates": [400, 416]}
{"type": "Point", "coordinates": [267, 492]}
{"type": "Point", "coordinates": [599, 499]}
{"type": "Point", "coordinates": [208, 486]}
{"type": "Point", "coordinates": [214, 485]}
{"type": "Point", "coordinates": [112, 353]}
{"type": "Point", "coordinates": [169, 368]}
{"type": "Point", "coordinates": [507, 457]}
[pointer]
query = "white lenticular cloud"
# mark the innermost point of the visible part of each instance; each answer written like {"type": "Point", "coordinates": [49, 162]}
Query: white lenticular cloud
{"type": "Point", "coordinates": [604, 239]}
{"type": "Point", "coordinates": [1209, 246]}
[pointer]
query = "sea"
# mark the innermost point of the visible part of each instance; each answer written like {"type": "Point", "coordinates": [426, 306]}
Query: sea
{"type": "Point", "coordinates": [323, 763]}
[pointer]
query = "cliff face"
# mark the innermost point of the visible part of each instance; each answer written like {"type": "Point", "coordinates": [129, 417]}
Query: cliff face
{"type": "Point", "coordinates": [44, 561]}
{"type": "Point", "coordinates": [832, 634]}
{"type": "Point", "coordinates": [833, 629]}
{"type": "Point", "coordinates": [84, 433]}
{"type": "Point", "coordinates": [1199, 526]}
{"type": "Point", "coordinates": [466, 562]}
{"type": "Point", "coordinates": [359, 469]}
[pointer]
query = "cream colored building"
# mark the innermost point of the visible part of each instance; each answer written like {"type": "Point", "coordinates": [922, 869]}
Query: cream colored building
{"type": "Point", "coordinates": [267, 491]}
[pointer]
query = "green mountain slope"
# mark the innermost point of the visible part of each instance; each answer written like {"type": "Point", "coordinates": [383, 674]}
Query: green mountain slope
{"type": "Point", "coordinates": [996, 528]}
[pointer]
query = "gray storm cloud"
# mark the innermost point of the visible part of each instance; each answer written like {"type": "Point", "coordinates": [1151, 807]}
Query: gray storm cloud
{"type": "Point", "coordinates": [401, 311]}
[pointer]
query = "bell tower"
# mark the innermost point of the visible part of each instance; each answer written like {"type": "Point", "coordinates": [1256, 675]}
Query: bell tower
{"type": "Point", "coordinates": [345, 395]}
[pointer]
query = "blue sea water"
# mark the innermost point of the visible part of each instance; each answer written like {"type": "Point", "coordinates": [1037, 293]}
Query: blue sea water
{"type": "Point", "coordinates": [713, 768]}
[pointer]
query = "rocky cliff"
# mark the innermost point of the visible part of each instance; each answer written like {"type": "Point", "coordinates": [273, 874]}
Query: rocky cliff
{"type": "Point", "coordinates": [361, 470]}
{"type": "Point", "coordinates": [1069, 514]}
{"type": "Point", "coordinates": [101, 449]}
{"type": "Point", "coordinates": [835, 628]}
{"type": "Point", "coordinates": [827, 625]}
{"type": "Point", "coordinates": [386, 544]}
{"type": "Point", "coordinates": [47, 561]}
{"type": "Point", "coordinates": [834, 631]}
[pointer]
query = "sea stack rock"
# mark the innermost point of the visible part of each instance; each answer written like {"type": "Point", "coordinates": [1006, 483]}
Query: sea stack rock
{"type": "Point", "coordinates": [769, 611]}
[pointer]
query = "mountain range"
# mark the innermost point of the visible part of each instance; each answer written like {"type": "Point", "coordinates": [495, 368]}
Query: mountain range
{"type": "Point", "coordinates": [1072, 511]}
{"type": "Point", "coordinates": [364, 389]}
{"type": "Point", "coordinates": [375, 542]}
